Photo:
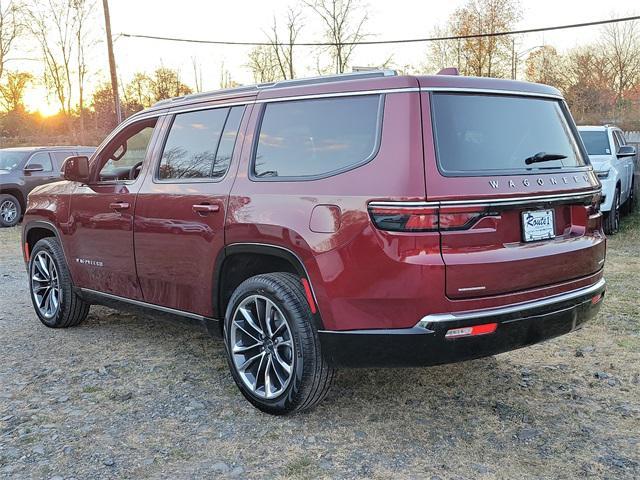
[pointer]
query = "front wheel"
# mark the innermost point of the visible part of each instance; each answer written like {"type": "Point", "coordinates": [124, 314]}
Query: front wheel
{"type": "Point", "coordinates": [272, 347]}
{"type": "Point", "coordinates": [612, 218]}
{"type": "Point", "coordinates": [54, 300]}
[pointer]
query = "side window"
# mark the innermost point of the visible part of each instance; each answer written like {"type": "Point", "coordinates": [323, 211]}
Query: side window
{"type": "Point", "coordinates": [192, 143]}
{"type": "Point", "coordinates": [616, 141]}
{"type": "Point", "coordinates": [227, 142]}
{"type": "Point", "coordinates": [309, 138]}
{"type": "Point", "coordinates": [122, 158]}
{"type": "Point", "coordinates": [41, 158]}
{"type": "Point", "coordinates": [621, 139]}
{"type": "Point", "coordinates": [59, 158]}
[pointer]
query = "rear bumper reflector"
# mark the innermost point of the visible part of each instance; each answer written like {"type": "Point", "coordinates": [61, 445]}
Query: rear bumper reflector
{"type": "Point", "coordinates": [483, 329]}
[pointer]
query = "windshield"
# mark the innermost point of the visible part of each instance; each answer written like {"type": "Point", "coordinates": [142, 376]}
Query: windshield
{"type": "Point", "coordinates": [10, 160]}
{"type": "Point", "coordinates": [596, 142]}
{"type": "Point", "coordinates": [482, 134]}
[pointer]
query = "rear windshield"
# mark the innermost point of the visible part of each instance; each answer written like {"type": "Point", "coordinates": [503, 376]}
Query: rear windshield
{"type": "Point", "coordinates": [596, 142]}
{"type": "Point", "coordinates": [487, 134]}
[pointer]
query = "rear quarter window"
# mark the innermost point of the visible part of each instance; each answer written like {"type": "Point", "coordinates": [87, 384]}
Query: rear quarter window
{"type": "Point", "coordinates": [482, 134]}
{"type": "Point", "coordinates": [306, 139]}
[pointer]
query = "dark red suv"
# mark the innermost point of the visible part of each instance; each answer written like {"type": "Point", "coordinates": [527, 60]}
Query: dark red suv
{"type": "Point", "coordinates": [359, 220]}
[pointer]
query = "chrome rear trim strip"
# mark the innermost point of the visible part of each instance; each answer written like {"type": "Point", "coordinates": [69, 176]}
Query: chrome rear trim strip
{"type": "Point", "coordinates": [146, 305]}
{"type": "Point", "coordinates": [474, 315]}
{"type": "Point", "coordinates": [490, 201]}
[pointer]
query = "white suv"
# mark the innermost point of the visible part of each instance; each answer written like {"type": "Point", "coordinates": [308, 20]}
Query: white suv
{"type": "Point", "coordinates": [614, 162]}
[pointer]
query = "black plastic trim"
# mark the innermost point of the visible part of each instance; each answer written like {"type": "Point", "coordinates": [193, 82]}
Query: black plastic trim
{"type": "Point", "coordinates": [428, 346]}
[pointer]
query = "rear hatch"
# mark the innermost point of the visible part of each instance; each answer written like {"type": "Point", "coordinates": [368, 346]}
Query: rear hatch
{"type": "Point", "coordinates": [517, 199]}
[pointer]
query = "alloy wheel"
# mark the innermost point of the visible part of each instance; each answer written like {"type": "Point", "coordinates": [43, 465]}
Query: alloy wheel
{"type": "Point", "coordinates": [8, 211]}
{"type": "Point", "coordinates": [45, 284]}
{"type": "Point", "coordinates": [262, 346]}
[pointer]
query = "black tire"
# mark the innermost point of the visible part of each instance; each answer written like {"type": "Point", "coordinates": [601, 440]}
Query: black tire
{"type": "Point", "coordinates": [71, 309]}
{"type": "Point", "coordinates": [612, 218]}
{"type": "Point", "coordinates": [311, 376]}
{"type": "Point", "coordinates": [629, 205]}
{"type": "Point", "coordinates": [10, 210]}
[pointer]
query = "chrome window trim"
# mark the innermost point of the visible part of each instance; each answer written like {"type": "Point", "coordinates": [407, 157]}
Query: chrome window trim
{"type": "Point", "coordinates": [514, 308]}
{"type": "Point", "coordinates": [354, 93]}
{"type": "Point", "coordinates": [140, 303]}
{"type": "Point", "coordinates": [490, 91]}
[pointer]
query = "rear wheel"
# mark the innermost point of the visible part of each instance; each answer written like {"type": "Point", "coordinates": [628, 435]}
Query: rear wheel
{"type": "Point", "coordinates": [630, 203]}
{"type": "Point", "coordinates": [52, 295]}
{"type": "Point", "coordinates": [612, 219]}
{"type": "Point", "coordinates": [10, 210]}
{"type": "Point", "coordinates": [272, 347]}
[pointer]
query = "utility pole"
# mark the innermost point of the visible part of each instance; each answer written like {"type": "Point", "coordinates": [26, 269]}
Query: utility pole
{"type": "Point", "coordinates": [112, 62]}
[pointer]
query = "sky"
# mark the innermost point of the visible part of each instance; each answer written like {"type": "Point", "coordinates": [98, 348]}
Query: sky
{"type": "Point", "coordinates": [245, 20]}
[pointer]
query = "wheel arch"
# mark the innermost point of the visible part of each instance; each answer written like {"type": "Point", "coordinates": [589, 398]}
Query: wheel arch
{"type": "Point", "coordinates": [239, 261]}
{"type": "Point", "coordinates": [17, 193]}
{"type": "Point", "coordinates": [36, 231]}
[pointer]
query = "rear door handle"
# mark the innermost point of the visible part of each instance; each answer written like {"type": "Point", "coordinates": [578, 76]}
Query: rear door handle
{"type": "Point", "coordinates": [119, 205]}
{"type": "Point", "coordinates": [205, 208]}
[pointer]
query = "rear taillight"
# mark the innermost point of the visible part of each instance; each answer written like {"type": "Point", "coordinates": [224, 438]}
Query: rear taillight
{"type": "Point", "coordinates": [396, 218]}
{"type": "Point", "coordinates": [594, 216]}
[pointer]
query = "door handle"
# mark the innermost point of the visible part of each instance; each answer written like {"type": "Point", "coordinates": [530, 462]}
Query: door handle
{"type": "Point", "coordinates": [205, 208]}
{"type": "Point", "coordinates": [119, 205]}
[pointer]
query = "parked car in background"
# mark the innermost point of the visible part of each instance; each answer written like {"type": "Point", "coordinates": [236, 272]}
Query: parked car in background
{"type": "Point", "coordinates": [614, 163]}
{"type": "Point", "coordinates": [349, 221]}
{"type": "Point", "coordinates": [24, 168]}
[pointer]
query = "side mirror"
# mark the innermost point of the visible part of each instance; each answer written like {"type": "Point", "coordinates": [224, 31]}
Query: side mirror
{"type": "Point", "coordinates": [33, 167]}
{"type": "Point", "coordinates": [626, 151]}
{"type": "Point", "coordinates": [76, 169]}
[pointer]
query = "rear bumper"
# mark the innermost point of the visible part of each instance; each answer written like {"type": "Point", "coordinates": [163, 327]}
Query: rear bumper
{"type": "Point", "coordinates": [425, 344]}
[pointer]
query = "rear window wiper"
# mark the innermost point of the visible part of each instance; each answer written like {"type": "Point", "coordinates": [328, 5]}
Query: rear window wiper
{"type": "Point", "coordinates": [543, 157]}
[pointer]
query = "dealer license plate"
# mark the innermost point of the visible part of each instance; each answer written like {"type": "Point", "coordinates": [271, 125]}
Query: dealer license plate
{"type": "Point", "coordinates": [537, 225]}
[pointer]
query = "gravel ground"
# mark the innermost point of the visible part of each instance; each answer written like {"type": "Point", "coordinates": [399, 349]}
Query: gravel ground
{"type": "Point", "coordinates": [126, 396]}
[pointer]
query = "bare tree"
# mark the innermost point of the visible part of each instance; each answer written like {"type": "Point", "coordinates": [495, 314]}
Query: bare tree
{"type": "Point", "coordinates": [263, 64]}
{"type": "Point", "coordinates": [53, 24]}
{"type": "Point", "coordinates": [82, 10]}
{"type": "Point", "coordinates": [283, 50]}
{"type": "Point", "coordinates": [62, 30]}
{"type": "Point", "coordinates": [10, 29]}
{"type": "Point", "coordinates": [197, 73]}
{"type": "Point", "coordinates": [620, 44]}
{"type": "Point", "coordinates": [12, 91]}
{"type": "Point", "coordinates": [344, 22]}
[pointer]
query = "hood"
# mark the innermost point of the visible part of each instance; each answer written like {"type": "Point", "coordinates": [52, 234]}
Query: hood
{"type": "Point", "coordinates": [600, 162]}
{"type": "Point", "coordinates": [4, 172]}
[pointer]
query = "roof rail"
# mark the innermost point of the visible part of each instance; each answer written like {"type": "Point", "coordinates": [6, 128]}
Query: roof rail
{"type": "Point", "coordinates": [340, 77]}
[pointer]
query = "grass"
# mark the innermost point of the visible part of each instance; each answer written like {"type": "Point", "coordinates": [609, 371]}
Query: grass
{"type": "Point", "coordinates": [301, 467]}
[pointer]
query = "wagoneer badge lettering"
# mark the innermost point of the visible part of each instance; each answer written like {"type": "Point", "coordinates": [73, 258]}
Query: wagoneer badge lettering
{"type": "Point", "coordinates": [540, 181]}
{"type": "Point", "coordinates": [93, 263]}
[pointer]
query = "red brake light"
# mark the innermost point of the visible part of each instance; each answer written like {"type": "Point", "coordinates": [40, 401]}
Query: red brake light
{"type": "Point", "coordinates": [424, 219]}
{"type": "Point", "coordinates": [414, 219]}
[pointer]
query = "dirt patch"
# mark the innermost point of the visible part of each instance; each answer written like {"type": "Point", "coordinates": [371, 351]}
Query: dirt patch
{"type": "Point", "coordinates": [131, 396]}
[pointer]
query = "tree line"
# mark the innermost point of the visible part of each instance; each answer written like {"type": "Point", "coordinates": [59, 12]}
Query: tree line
{"type": "Point", "coordinates": [601, 81]}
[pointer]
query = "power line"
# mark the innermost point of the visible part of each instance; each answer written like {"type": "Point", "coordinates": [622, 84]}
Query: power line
{"type": "Point", "coordinates": [384, 42]}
